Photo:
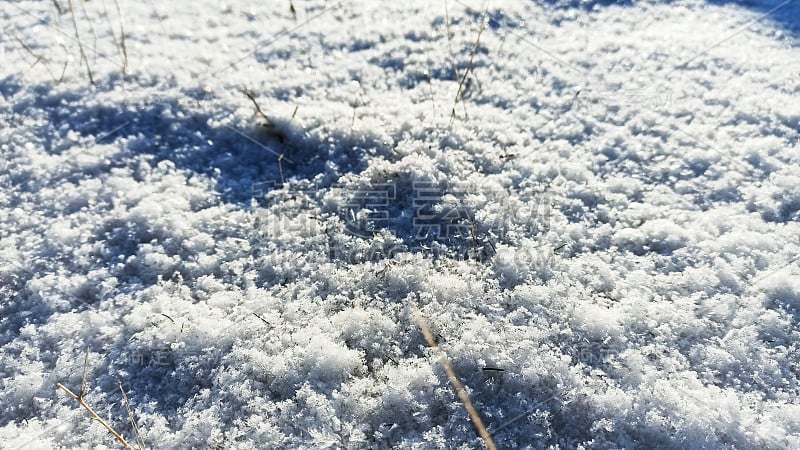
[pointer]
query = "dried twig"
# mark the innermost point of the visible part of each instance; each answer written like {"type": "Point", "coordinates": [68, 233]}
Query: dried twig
{"type": "Point", "coordinates": [263, 320]}
{"type": "Point", "coordinates": [25, 47]}
{"type": "Point", "coordinates": [430, 90]}
{"type": "Point", "coordinates": [280, 168]}
{"type": "Point", "coordinates": [136, 431]}
{"type": "Point", "coordinates": [91, 28]}
{"type": "Point", "coordinates": [452, 55]}
{"type": "Point", "coordinates": [258, 108]}
{"type": "Point", "coordinates": [85, 373]}
{"type": "Point", "coordinates": [80, 44]}
{"type": "Point", "coordinates": [460, 92]}
{"type": "Point", "coordinates": [451, 374]}
{"type": "Point", "coordinates": [58, 7]}
{"type": "Point", "coordinates": [120, 44]}
{"type": "Point", "coordinates": [39, 58]}
{"type": "Point", "coordinates": [520, 416]}
{"type": "Point", "coordinates": [79, 398]}
{"type": "Point", "coordinates": [270, 131]}
{"type": "Point", "coordinates": [94, 415]}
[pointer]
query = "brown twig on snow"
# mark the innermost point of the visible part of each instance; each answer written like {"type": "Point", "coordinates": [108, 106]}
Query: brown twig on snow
{"type": "Point", "coordinates": [79, 398]}
{"type": "Point", "coordinates": [80, 44]}
{"type": "Point", "coordinates": [120, 44]}
{"type": "Point", "coordinates": [460, 92]}
{"type": "Point", "coordinates": [94, 415]}
{"type": "Point", "coordinates": [451, 374]}
{"type": "Point", "coordinates": [252, 98]}
{"type": "Point", "coordinates": [39, 58]}
{"type": "Point", "coordinates": [136, 431]}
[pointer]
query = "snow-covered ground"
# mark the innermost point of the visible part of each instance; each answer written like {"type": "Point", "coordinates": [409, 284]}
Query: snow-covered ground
{"type": "Point", "coordinates": [602, 232]}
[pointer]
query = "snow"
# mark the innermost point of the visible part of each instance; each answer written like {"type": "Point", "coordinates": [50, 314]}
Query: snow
{"type": "Point", "coordinates": [610, 217]}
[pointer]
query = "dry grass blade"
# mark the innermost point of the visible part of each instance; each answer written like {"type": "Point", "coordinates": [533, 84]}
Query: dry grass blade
{"type": "Point", "coordinates": [460, 92]}
{"type": "Point", "coordinates": [452, 55]}
{"type": "Point", "coordinates": [136, 432]}
{"type": "Point", "coordinates": [89, 22]}
{"type": "Point", "coordinates": [263, 320]}
{"type": "Point", "coordinates": [252, 98]}
{"type": "Point", "coordinates": [280, 169]}
{"type": "Point", "coordinates": [451, 374]}
{"type": "Point", "coordinates": [85, 373]}
{"type": "Point", "coordinates": [79, 398]}
{"type": "Point", "coordinates": [58, 7]}
{"type": "Point", "coordinates": [38, 58]}
{"type": "Point", "coordinates": [25, 47]}
{"type": "Point", "coordinates": [120, 44]}
{"type": "Point", "coordinates": [94, 415]}
{"type": "Point", "coordinates": [520, 416]}
{"type": "Point", "coordinates": [80, 44]}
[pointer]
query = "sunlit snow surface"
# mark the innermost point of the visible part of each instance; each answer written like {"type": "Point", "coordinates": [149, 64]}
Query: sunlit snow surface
{"type": "Point", "coordinates": [609, 214]}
